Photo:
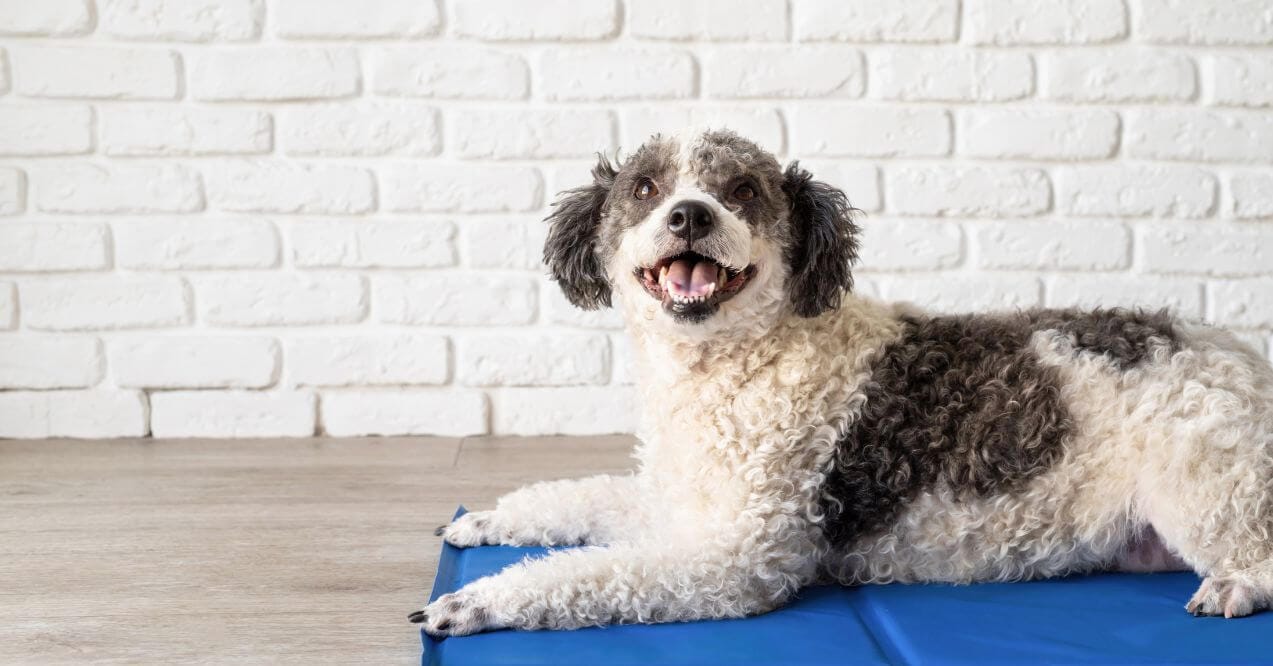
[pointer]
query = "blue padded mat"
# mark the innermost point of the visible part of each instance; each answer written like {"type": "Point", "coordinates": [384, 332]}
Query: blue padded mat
{"type": "Point", "coordinates": [1102, 619]}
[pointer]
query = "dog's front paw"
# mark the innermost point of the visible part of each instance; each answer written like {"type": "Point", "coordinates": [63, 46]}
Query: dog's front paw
{"type": "Point", "coordinates": [456, 614]}
{"type": "Point", "coordinates": [472, 529]}
{"type": "Point", "coordinates": [1229, 597]}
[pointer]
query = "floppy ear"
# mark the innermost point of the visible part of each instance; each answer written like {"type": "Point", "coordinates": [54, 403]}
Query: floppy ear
{"type": "Point", "coordinates": [570, 250]}
{"type": "Point", "coordinates": [825, 243]}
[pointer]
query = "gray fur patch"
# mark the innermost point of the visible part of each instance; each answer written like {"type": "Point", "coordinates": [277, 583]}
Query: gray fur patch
{"type": "Point", "coordinates": [964, 401]}
{"type": "Point", "coordinates": [723, 160]}
{"type": "Point", "coordinates": [1125, 337]}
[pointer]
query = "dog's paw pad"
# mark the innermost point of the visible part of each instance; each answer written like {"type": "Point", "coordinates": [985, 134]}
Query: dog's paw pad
{"type": "Point", "coordinates": [455, 614]}
{"type": "Point", "coordinates": [1226, 597]}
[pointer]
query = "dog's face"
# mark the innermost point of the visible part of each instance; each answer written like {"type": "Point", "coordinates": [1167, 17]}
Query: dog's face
{"type": "Point", "coordinates": [702, 233]}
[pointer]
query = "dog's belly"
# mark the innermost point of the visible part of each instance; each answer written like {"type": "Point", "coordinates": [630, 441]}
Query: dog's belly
{"type": "Point", "coordinates": [1146, 553]}
{"type": "Point", "coordinates": [1074, 518]}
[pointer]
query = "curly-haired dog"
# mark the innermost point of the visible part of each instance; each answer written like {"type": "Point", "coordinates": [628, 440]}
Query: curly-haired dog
{"type": "Point", "coordinates": [794, 432]}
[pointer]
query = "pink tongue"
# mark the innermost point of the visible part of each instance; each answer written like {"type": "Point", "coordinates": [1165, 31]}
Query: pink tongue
{"type": "Point", "coordinates": [686, 278]}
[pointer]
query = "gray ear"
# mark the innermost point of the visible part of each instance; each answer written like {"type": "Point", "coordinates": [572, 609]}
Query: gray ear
{"type": "Point", "coordinates": [570, 250]}
{"type": "Point", "coordinates": [825, 244]}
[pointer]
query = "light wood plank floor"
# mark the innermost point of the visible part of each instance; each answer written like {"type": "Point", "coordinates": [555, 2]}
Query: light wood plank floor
{"type": "Point", "coordinates": [243, 551]}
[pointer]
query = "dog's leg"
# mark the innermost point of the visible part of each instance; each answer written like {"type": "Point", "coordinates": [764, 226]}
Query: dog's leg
{"type": "Point", "coordinates": [554, 513]}
{"type": "Point", "coordinates": [623, 584]}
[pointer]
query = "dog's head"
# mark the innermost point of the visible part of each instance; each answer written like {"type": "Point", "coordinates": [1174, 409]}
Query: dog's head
{"type": "Point", "coordinates": [700, 233]}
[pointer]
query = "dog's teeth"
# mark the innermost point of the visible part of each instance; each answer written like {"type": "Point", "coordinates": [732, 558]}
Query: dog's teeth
{"type": "Point", "coordinates": [721, 278]}
{"type": "Point", "coordinates": [711, 288]}
{"type": "Point", "coordinates": [662, 275]}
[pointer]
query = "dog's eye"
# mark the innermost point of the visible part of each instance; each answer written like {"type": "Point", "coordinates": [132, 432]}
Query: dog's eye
{"type": "Point", "coordinates": [744, 192]}
{"type": "Point", "coordinates": [645, 188]}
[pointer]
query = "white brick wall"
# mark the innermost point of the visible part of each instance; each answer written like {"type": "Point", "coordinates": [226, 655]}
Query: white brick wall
{"type": "Point", "coordinates": [249, 218]}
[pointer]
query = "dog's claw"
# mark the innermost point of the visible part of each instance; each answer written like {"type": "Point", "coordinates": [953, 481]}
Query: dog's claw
{"type": "Point", "coordinates": [417, 617]}
{"type": "Point", "coordinates": [439, 530]}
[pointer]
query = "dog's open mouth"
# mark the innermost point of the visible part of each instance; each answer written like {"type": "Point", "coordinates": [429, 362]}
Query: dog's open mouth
{"type": "Point", "coordinates": [692, 285]}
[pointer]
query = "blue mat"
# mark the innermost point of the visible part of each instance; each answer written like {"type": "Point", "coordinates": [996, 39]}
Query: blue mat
{"type": "Point", "coordinates": [1102, 619]}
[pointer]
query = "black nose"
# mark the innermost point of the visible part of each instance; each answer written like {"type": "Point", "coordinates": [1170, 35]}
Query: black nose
{"type": "Point", "coordinates": [690, 220]}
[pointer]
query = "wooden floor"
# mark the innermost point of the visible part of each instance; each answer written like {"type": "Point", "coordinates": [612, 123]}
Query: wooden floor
{"type": "Point", "coordinates": [243, 551]}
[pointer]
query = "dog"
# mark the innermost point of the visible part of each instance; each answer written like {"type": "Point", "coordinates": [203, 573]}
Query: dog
{"type": "Point", "coordinates": [795, 433]}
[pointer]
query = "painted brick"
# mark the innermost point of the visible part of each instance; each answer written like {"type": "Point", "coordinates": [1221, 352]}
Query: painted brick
{"type": "Point", "coordinates": [901, 244]}
{"type": "Point", "coordinates": [116, 188]}
{"type": "Point", "coordinates": [1241, 303]}
{"type": "Point", "coordinates": [710, 20]}
{"type": "Point", "coordinates": [541, 20]}
{"type": "Point", "coordinates": [870, 131]}
{"type": "Point", "coordinates": [339, 19]}
{"type": "Point", "coordinates": [1182, 295]}
{"type": "Point", "coordinates": [103, 302]}
{"type": "Point", "coordinates": [623, 360]}
{"type": "Point", "coordinates": [967, 191]}
{"type": "Point", "coordinates": [529, 133]}
{"type": "Point", "coordinates": [1117, 75]}
{"type": "Point", "coordinates": [950, 74]}
{"type": "Point", "coordinates": [1135, 191]}
{"type": "Point", "coordinates": [457, 71]}
{"type": "Point", "coordinates": [764, 126]}
{"type": "Point", "coordinates": [13, 191]}
{"type": "Point", "coordinates": [368, 360]}
{"type": "Point", "coordinates": [232, 414]}
{"type": "Point", "coordinates": [503, 242]}
{"type": "Point", "coordinates": [164, 244]}
{"type": "Point", "coordinates": [183, 20]}
{"type": "Point", "coordinates": [8, 306]}
{"type": "Point", "coordinates": [291, 187]}
{"type": "Point", "coordinates": [52, 246]}
{"type": "Point", "coordinates": [1252, 195]}
{"type": "Point", "coordinates": [374, 129]}
{"type": "Point", "coordinates": [46, 130]}
{"type": "Point", "coordinates": [562, 176]}
{"type": "Point", "coordinates": [454, 299]}
{"type": "Point", "coordinates": [779, 71]}
{"type": "Point", "coordinates": [859, 181]}
{"type": "Point", "coordinates": [448, 413]}
{"type": "Point", "coordinates": [564, 411]}
{"type": "Point", "coordinates": [1219, 22]}
{"type": "Point", "coordinates": [271, 299]}
{"type": "Point", "coordinates": [80, 414]}
{"type": "Point", "coordinates": [1242, 80]}
{"type": "Point", "coordinates": [460, 187]}
{"type": "Point", "coordinates": [556, 359]}
{"type": "Point", "coordinates": [1206, 136]}
{"type": "Point", "coordinates": [96, 72]}
{"type": "Point", "coordinates": [174, 362]}
{"type": "Point", "coordinates": [1052, 245]}
{"type": "Point", "coordinates": [1210, 249]}
{"type": "Point", "coordinates": [617, 73]}
{"type": "Point", "coordinates": [47, 18]}
{"type": "Point", "coordinates": [372, 244]}
{"type": "Point", "coordinates": [963, 292]}
{"type": "Point", "coordinates": [869, 21]}
{"type": "Point", "coordinates": [154, 131]}
{"type": "Point", "coordinates": [1011, 22]}
{"type": "Point", "coordinates": [49, 362]}
{"type": "Point", "coordinates": [273, 74]}
{"type": "Point", "coordinates": [558, 310]}
{"type": "Point", "coordinates": [1037, 134]}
